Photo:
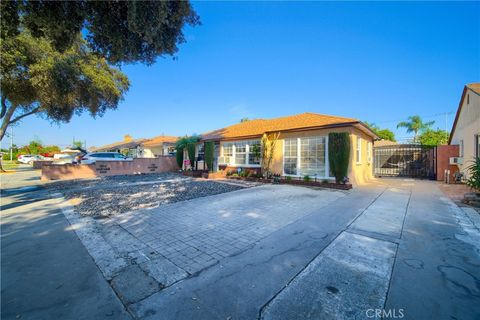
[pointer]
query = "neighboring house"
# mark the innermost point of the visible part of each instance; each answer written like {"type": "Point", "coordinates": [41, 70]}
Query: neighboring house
{"type": "Point", "coordinates": [142, 148]}
{"type": "Point", "coordinates": [130, 147]}
{"type": "Point", "coordinates": [466, 127]}
{"type": "Point", "coordinates": [301, 148]}
{"type": "Point", "coordinates": [159, 146]}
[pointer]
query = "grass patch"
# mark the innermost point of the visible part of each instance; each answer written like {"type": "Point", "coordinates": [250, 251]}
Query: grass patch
{"type": "Point", "coordinates": [9, 165]}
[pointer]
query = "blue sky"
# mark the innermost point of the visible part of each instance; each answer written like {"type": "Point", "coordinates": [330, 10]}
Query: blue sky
{"type": "Point", "coordinates": [378, 62]}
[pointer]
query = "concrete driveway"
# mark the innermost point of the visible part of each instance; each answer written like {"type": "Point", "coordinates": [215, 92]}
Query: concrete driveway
{"type": "Point", "coordinates": [397, 248]}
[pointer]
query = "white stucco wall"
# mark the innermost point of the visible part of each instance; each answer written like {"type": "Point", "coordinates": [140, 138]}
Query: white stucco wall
{"type": "Point", "coordinates": [468, 125]}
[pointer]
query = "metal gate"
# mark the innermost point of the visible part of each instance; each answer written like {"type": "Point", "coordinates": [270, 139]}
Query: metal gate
{"type": "Point", "coordinates": [405, 160]}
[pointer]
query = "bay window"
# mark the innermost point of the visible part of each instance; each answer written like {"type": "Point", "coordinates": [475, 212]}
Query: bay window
{"type": "Point", "coordinates": [306, 156]}
{"type": "Point", "coordinates": [290, 157]}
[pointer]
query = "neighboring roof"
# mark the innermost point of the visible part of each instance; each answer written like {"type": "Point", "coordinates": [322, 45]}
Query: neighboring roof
{"type": "Point", "coordinates": [474, 87]}
{"type": "Point", "coordinates": [305, 120]}
{"type": "Point", "coordinates": [383, 142]}
{"type": "Point", "coordinates": [120, 145]}
{"type": "Point", "coordinates": [156, 141]}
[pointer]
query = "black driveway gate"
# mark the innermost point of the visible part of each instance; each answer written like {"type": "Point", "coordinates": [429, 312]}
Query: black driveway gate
{"type": "Point", "coordinates": [405, 160]}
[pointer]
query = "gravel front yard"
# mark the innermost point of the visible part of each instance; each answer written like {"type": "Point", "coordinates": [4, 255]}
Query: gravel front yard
{"type": "Point", "coordinates": [115, 195]}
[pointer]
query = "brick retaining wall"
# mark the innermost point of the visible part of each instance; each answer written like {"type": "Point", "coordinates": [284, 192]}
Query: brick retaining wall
{"type": "Point", "coordinates": [109, 168]}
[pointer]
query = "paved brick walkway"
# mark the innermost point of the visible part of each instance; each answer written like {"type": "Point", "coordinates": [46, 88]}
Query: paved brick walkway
{"type": "Point", "coordinates": [198, 233]}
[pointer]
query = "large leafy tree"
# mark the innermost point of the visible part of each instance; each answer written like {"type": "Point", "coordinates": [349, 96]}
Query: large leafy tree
{"type": "Point", "coordinates": [415, 125]}
{"type": "Point", "coordinates": [60, 58]}
{"type": "Point", "coordinates": [38, 79]}
{"type": "Point", "coordinates": [384, 134]}
{"type": "Point", "coordinates": [431, 137]}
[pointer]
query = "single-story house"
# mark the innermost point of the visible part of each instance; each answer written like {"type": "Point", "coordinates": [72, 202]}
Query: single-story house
{"type": "Point", "coordinates": [301, 147]}
{"type": "Point", "coordinates": [130, 147]}
{"type": "Point", "coordinates": [142, 148]}
{"type": "Point", "coordinates": [466, 127]}
{"type": "Point", "coordinates": [159, 146]}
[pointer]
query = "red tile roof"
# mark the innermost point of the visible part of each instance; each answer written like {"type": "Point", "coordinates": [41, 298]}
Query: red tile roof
{"type": "Point", "coordinates": [258, 127]}
{"type": "Point", "coordinates": [159, 140]}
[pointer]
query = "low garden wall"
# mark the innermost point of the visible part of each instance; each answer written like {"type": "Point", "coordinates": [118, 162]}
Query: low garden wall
{"type": "Point", "coordinates": [108, 168]}
{"type": "Point", "coordinates": [40, 163]}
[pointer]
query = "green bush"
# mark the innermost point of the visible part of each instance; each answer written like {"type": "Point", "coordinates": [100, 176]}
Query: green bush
{"type": "Point", "coordinates": [474, 176]}
{"type": "Point", "coordinates": [307, 178]}
{"type": "Point", "coordinates": [339, 154]}
{"type": "Point", "coordinates": [209, 154]}
{"type": "Point", "coordinates": [179, 157]}
{"type": "Point", "coordinates": [288, 178]}
{"type": "Point", "coordinates": [191, 153]}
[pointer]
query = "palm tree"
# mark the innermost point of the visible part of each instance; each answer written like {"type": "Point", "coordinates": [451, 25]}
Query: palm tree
{"type": "Point", "coordinates": [415, 124]}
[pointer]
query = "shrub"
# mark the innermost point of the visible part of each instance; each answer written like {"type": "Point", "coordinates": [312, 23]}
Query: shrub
{"type": "Point", "coordinates": [339, 154]}
{"type": "Point", "coordinates": [288, 178]}
{"type": "Point", "coordinates": [209, 154]}
{"type": "Point", "coordinates": [191, 153]}
{"type": "Point", "coordinates": [307, 178]}
{"type": "Point", "coordinates": [325, 181]}
{"type": "Point", "coordinates": [179, 157]}
{"type": "Point", "coordinates": [474, 176]}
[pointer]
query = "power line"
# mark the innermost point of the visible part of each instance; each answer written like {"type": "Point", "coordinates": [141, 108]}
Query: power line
{"type": "Point", "coordinates": [424, 117]}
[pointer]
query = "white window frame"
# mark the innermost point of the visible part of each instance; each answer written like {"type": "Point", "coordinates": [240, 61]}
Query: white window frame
{"type": "Point", "coordinates": [358, 150]}
{"type": "Point", "coordinates": [369, 152]}
{"type": "Point", "coordinates": [233, 161]}
{"type": "Point", "coordinates": [299, 159]}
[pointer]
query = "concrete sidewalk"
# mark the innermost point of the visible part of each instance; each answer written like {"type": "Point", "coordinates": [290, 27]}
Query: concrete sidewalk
{"type": "Point", "coordinates": [46, 273]}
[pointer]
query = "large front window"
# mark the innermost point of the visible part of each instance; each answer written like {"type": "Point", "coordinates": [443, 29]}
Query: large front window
{"type": "Point", "coordinates": [290, 157]}
{"type": "Point", "coordinates": [241, 153]}
{"type": "Point", "coordinates": [305, 156]}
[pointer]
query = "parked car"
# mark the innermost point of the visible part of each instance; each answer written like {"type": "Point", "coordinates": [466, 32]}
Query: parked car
{"type": "Point", "coordinates": [92, 157]}
{"type": "Point", "coordinates": [29, 158]}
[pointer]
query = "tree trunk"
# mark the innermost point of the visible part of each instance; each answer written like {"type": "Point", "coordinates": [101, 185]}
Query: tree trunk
{"type": "Point", "coordinates": [6, 121]}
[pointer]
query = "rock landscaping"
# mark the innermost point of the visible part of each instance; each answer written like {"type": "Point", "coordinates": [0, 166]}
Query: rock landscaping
{"type": "Point", "coordinates": [115, 195]}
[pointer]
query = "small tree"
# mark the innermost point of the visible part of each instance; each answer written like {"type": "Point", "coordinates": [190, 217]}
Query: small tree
{"type": "Point", "coordinates": [339, 154]}
{"type": "Point", "coordinates": [191, 153]}
{"type": "Point", "coordinates": [433, 137]}
{"type": "Point", "coordinates": [182, 144]}
{"type": "Point", "coordinates": [269, 141]}
{"type": "Point", "coordinates": [384, 134]}
{"type": "Point", "coordinates": [415, 124]}
{"type": "Point", "coordinates": [209, 148]}
{"type": "Point", "coordinates": [474, 176]}
{"type": "Point", "coordinates": [179, 157]}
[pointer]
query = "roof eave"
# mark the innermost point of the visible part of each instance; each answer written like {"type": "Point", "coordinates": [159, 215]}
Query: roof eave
{"type": "Point", "coordinates": [457, 115]}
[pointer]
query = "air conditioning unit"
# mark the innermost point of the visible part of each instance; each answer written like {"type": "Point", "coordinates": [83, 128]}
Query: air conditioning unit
{"type": "Point", "coordinates": [456, 160]}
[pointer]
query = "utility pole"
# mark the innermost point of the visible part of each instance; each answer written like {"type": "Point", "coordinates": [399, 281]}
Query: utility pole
{"type": "Point", "coordinates": [11, 143]}
{"type": "Point", "coordinates": [446, 121]}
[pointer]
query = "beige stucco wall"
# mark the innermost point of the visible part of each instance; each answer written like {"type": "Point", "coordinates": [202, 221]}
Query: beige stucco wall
{"type": "Point", "coordinates": [358, 173]}
{"type": "Point", "coordinates": [152, 152]}
{"type": "Point", "coordinates": [468, 125]}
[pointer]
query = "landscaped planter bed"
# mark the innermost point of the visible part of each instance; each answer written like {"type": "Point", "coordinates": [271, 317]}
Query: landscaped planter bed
{"type": "Point", "coordinates": [330, 185]}
{"type": "Point", "coordinates": [195, 173]}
